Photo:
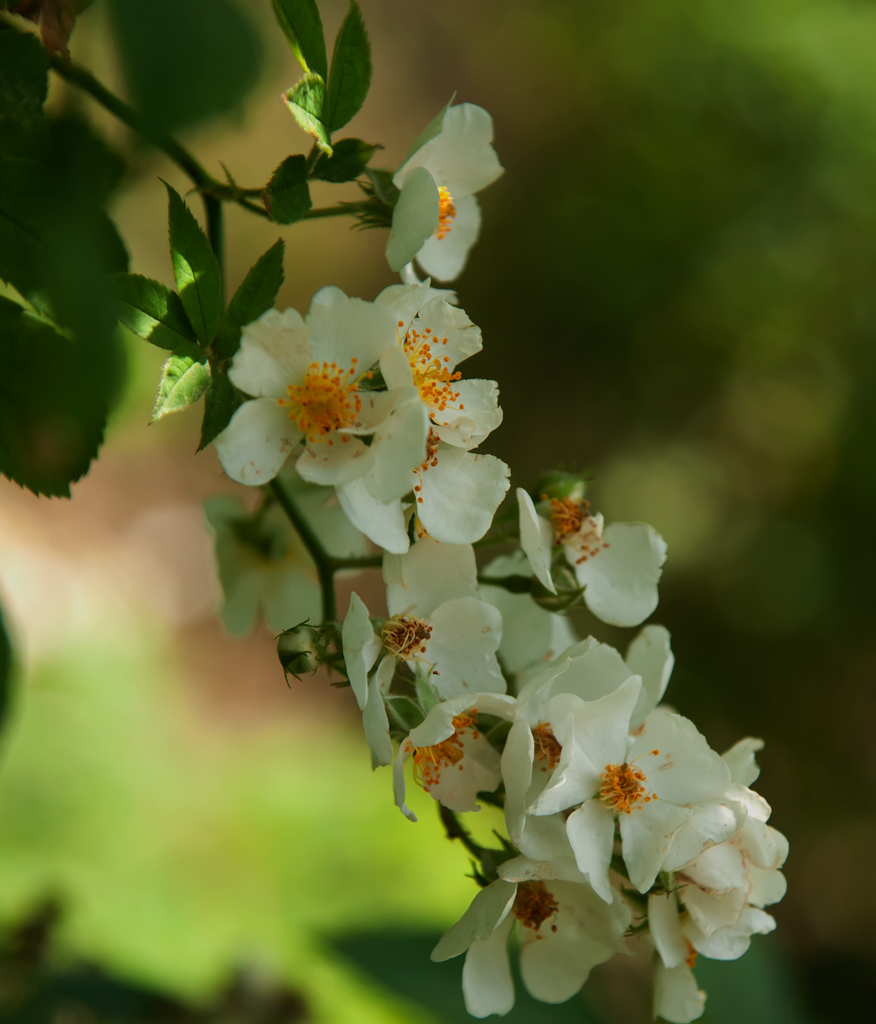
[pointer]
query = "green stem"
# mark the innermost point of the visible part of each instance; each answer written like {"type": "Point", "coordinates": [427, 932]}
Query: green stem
{"type": "Point", "coordinates": [324, 563]}
{"type": "Point", "coordinates": [342, 210]}
{"type": "Point", "coordinates": [216, 235]}
{"type": "Point", "coordinates": [366, 562]}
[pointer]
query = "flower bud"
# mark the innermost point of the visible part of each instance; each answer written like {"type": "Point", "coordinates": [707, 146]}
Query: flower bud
{"type": "Point", "coordinates": [299, 650]}
{"type": "Point", "coordinates": [557, 484]}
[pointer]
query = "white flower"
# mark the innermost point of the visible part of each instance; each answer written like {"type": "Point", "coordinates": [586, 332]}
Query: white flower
{"type": "Point", "coordinates": [437, 218]}
{"type": "Point", "coordinates": [651, 782]}
{"type": "Point", "coordinates": [453, 760]}
{"type": "Point", "coordinates": [306, 381]}
{"type": "Point", "coordinates": [618, 565]}
{"type": "Point", "coordinates": [437, 625]}
{"type": "Point", "coordinates": [565, 931]}
{"type": "Point", "coordinates": [716, 900]}
{"type": "Point", "coordinates": [262, 562]}
{"type": "Point", "coordinates": [531, 635]}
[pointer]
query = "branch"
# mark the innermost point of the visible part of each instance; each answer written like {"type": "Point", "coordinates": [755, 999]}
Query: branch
{"type": "Point", "coordinates": [325, 566]}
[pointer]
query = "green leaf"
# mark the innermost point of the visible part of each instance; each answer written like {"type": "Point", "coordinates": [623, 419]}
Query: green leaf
{"type": "Point", "coordinates": [6, 663]}
{"type": "Point", "coordinates": [302, 25]}
{"type": "Point", "coordinates": [287, 197]}
{"type": "Point", "coordinates": [351, 71]}
{"type": "Point", "coordinates": [404, 712]}
{"type": "Point", "coordinates": [183, 382]}
{"type": "Point", "coordinates": [220, 404]}
{"type": "Point", "coordinates": [306, 100]}
{"type": "Point", "coordinates": [347, 162]}
{"type": "Point", "coordinates": [195, 270]}
{"type": "Point", "coordinates": [54, 397]}
{"type": "Point", "coordinates": [24, 75]}
{"type": "Point", "coordinates": [257, 293]}
{"type": "Point", "coordinates": [184, 63]}
{"type": "Point", "coordinates": [154, 312]}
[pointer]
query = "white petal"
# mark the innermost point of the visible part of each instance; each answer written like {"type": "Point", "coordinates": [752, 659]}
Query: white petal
{"type": "Point", "coordinates": [717, 870]}
{"type": "Point", "coordinates": [665, 928]}
{"type": "Point", "coordinates": [646, 832]}
{"type": "Point", "coordinates": [710, 823]}
{"type": "Point", "coordinates": [398, 779]}
{"type": "Point", "coordinates": [589, 670]}
{"type": "Point", "coordinates": [334, 461]}
{"type": "Point", "coordinates": [555, 964]}
{"type": "Point", "coordinates": [445, 258]}
{"type": "Point", "coordinates": [274, 353]}
{"type": "Point", "coordinates": [621, 580]}
{"type": "Point", "coordinates": [460, 156]}
{"type": "Point", "coordinates": [361, 647]}
{"type": "Point", "coordinates": [459, 496]}
{"type": "Point", "coordinates": [591, 833]}
{"type": "Point", "coordinates": [485, 913]}
{"type": "Point", "coordinates": [768, 886]}
{"type": "Point", "coordinates": [382, 523]}
{"type": "Point", "coordinates": [404, 301]}
{"type": "Point", "coordinates": [414, 218]}
{"type": "Point", "coordinates": [398, 447]}
{"type": "Point", "coordinates": [531, 635]}
{"type": "Point", "coordinates": [467, 427]}
{"type": "Point", "coordinates": [685, 769]}
{"type": "Point", "coordinates": [602, 726]}
{"type": "Point", "coordinates": [396, 368]}
{"type": "Point", "coordinates": [434, 573]}
{"type": "Point", "coordinates": [517, 772]}
{"type": "Point", "coordinates": [465, 636]}
{"type": "Point", "coordinates": [374, 716]}
{"type": "Point", "coordinates": [257, 441]}
{"type": "Point", "coordinates": [536, 539]}
{"type": "Point", "coordinates": [486, 975]}
{"type": "Point", "coordinates": [650, 656]}
{"type": "Point", "coordinates": [744, 769]}
{"type": "Point", "coordinates": [342, 328]}
{"type": "Point", "coordinates": [457, 786]}
{"type": "Point", "coordinates": [731, 942]}
{"type": "Point", "coordinates": [456, 337]}
{"type": "Point", "coordinates": [677, 998]}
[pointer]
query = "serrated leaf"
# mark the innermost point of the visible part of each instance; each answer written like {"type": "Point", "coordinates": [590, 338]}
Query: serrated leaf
{"type": "Point", "coordinates": [347, 162]}
{"type": "Point", "coordinates": [153, 312]}
{"type": "Point", "coordinates": [183, 382]}
{"type": "Point", "coordinates": [302, 26]}
{"type": "Point", "coordinates": [24, 74]}
{"type": "Point", "coordinates": [256, 293]}
{"type": "Point", "coordinates": [350, 76]}
{"type": "Point", "coordinates": [287, 197]}
{"type": "Point", "coordinates": [306, 100]}
{"type": "Point", "coordinates": [195, 270]}
{"type": "Point", "coordinates": [220, 404]}
{"type": "Point", "coordinates": [54, 397]}
{"type": "Point", "coordinates": [5, 673]}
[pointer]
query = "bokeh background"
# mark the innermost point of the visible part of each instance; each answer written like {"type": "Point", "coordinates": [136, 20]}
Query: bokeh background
{"type": "Point", "coordinates": [675, 282]}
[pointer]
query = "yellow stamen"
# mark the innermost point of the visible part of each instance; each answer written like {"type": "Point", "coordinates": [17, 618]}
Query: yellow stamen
{"type": "Point", "coordinates": [325, 401]}
{"type": "Point", "coordinates": [533, 905]}
{"type": "Point", "coordinates": [446, 212]}
{"type": "Point", "coordinates": [429, 761]}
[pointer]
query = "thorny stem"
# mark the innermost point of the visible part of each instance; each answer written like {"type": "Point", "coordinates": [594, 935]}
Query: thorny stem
{"type": "Point", "coordinates": [325, 566]}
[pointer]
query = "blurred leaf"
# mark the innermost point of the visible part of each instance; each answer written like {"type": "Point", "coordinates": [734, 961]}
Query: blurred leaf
{"type": "Point", "coordinates": [5, 673]}
{"type": "Point", "coordinates": [24, 72]}
{"type": "Point", "coordinates": [195, 270]}
{"type": "Point", "coordinates": [154, 312]}
{"type": "Point", "coordinates": [401, 962]}
{"type": "Point", "coordinates": [300, 21]}
{"type": "Point", "coordinates": [183, 382]}
{"type": "Point", "coordinates": [350, 76]}
{"type": "Point", "coordinates": [256, 293]}
{"type": "Point", "coordinates": [54, 397]}
{"type": "Point", "coordinates": [404, 712]}
{"type": "Point", "coordinates": [185, 62]}
{"type": "Point", "coordinates": [220, 404]}
{"type": "Point", "coordinates": [346, 163]}
{"type": "Point", "coordinates": [306, 100]}
{"type": "Point", "coordinates": [758, 988]}
{"type": "Point", "coordinates": [287, 197]}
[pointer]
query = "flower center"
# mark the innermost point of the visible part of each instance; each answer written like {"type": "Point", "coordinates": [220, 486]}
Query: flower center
{"type": "Point", "coordinates": [406, 635]}
{"type": "Point", "coordinates": [621, 787]}
{"type": "Point", "coordinates": [429, 761]}
{"type": "Point", "coordinates": [326, 400]}
{"type": "Point", "coordinates": [573, 526]}
{"type": "Point", "coordinates": [446, 212]}
{"type": "Point", "coordinates": [432, 377]}
{"type": "Point", "coordinates": [533, 905]}
{"type": "Point", "coordinates": [547, 748]}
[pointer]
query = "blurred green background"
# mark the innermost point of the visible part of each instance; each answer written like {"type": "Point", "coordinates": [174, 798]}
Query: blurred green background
{"type": "Point", "coordinates": [675, 284]}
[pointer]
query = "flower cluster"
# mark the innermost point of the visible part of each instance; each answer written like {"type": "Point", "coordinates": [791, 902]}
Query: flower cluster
{"type": "Point", "coordinates": [621, 820]}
